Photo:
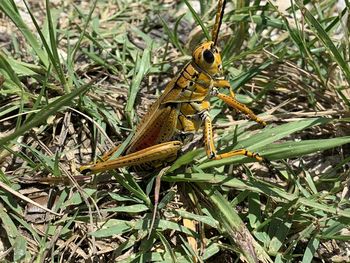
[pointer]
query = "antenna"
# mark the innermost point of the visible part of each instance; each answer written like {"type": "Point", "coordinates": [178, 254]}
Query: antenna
{"type": "Point", "coordinates": [218, 21]}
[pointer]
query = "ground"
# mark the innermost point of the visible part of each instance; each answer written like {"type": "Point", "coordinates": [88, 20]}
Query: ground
{"type": "Point", "coordinates": [80, 86]}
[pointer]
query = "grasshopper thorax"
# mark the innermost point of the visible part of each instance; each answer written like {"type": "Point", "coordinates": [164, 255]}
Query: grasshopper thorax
{"type": "Point", "coordinates": [207, 57]}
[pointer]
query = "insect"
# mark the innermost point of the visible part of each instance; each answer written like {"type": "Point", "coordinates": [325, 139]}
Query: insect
{"type": "Point", "coordinates": [182, 109]}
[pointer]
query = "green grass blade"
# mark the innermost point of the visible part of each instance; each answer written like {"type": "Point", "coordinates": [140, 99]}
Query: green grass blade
{"type": "Point", "coordinates": [45, 112]}
{"type": "Point", "coordinates": [113, 227]}
{"type": "Point", "coordinates": [142, 67]}
{"type": "Point", "coordinates": [6, 68]}
{"type": "Point", "coordinates": [172, 36]}
{"type": "Point", "coordinates": [7, 6]}
{"type": "Point", "coordinates": [327, 41]}
{"type": "Point", "coordinates": [256, 186]}
{"type": "Point", "coordinates": [310, 250]}
{"type": "Point", "coordinates": [167, 246]}
{"type": "Point", "coordinates": [56, 60]}
{"type": "Point", "coordinates": [296, 149]}
{"type": "Point", "coordinates": [269, 135]}
{"type": "Point", "coordinates": [198, 20]}
{"type": "Point", "coordinates": [235, 226]}
{"type": "Point", "coordinates": [55, 64]}
{"type": "Point", "coordinates": [82, 33]}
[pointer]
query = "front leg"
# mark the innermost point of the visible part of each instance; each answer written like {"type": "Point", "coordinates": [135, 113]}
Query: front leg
{"type": "Point", "coordinates": [210, 147]}
{"type": "Point", "coordinates": [231, 101]}
{"type": "Point", "coordinates": [223, 83]}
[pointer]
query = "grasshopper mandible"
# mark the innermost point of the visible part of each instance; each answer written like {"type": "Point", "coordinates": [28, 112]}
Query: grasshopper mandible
{"type": "Point", "coordinates": [181, 109]}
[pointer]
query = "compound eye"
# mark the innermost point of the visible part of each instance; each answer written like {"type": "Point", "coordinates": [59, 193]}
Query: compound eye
{"type": "Point", "coordinates": [208, 56]}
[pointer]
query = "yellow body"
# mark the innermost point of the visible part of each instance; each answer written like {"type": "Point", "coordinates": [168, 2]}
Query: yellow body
{"type": "Point", "coordinates": [182, 108]}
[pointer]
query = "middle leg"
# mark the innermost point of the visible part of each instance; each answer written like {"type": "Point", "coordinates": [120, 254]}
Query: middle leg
{"type": "Point", "coordinates": [210, 147]}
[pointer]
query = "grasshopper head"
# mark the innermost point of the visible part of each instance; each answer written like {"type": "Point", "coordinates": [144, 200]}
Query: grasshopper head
{"type": "Point", "coordinates": [208, 58]}
{"type": "Point", "coordinates": [206, 55]}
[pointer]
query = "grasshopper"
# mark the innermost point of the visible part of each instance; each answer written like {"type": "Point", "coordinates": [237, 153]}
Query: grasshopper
{"type": "Point", "coordinates": [182, 109]}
